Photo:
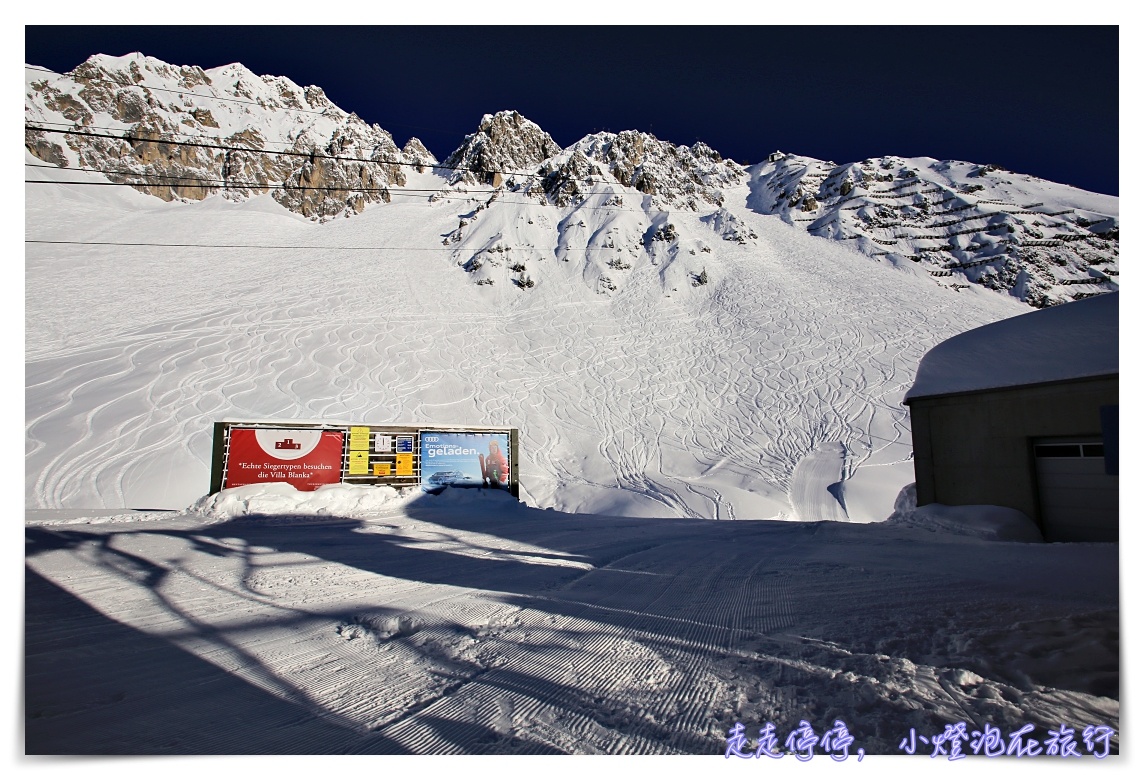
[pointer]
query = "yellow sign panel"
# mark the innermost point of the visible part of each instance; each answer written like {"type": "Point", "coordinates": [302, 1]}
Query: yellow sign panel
{"type": "Point", "coordinates": [359, 463]}
{"type": "Point", "coordinates": [404, 464]}
{"type": "Point", "coordinates": [381, 469]}
{"type": "Point", "coordinates": [359, 437]}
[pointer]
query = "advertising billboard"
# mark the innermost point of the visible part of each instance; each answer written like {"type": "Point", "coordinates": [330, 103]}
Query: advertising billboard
{"type": "Point", "coordinates": [304, 458]}
{"type": "Point", "coordinates": [464, 459]}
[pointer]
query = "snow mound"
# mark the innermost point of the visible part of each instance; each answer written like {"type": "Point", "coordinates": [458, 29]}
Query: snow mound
{"type": "Point", "coordinates": [983, 521]}
{"type": "Point", "coordinates": [339, 500]}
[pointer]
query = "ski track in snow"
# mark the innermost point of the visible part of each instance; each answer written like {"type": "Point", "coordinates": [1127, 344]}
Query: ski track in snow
{"type": "Point", "coordinates": [698, 403]}
{"type": "Point", "coordinates": [458, 626]}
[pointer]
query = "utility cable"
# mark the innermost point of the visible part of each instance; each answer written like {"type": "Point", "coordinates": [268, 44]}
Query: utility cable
{"type": "Point", "coordinates": [169, 132]}
{"type": "Point", "coordinates": [283, 246]}
{"type": "Point", "coordinates": [165, 180]}
{"type": "Point", "coordinates": [313, 155]}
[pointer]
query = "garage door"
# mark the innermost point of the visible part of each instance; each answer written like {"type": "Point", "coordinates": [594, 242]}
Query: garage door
{"type": "Point", "coordinates": [1079, 502]}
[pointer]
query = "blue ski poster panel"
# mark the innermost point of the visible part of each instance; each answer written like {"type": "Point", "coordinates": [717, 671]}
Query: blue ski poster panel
{"type": "Point", "coordinates": [464, 459]}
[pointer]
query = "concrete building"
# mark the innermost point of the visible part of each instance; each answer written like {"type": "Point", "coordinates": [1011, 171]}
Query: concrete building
{"type": "Point", "coordinates": [1023, 413]}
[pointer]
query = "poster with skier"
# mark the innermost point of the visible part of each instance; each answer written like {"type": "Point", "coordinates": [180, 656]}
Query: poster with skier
{"type": "Point", "coordinates": [464, 459]}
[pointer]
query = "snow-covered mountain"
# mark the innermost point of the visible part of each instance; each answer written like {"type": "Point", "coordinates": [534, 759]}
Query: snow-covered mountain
{"type": "Point", "coordinates": [654, 318]}
{"type": "Point", "coordinates": [623, 199]}
{"type": "Point", "coordinates": [1041, 242]}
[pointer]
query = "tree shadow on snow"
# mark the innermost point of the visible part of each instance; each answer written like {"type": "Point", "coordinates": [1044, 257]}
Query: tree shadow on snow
{"type": "Point", "coordinates": [610, 586]}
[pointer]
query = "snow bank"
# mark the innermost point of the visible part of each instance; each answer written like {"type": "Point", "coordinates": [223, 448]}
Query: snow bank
{"type": "Point", "coordinates": [283, 499]}
{"type": "Point", "coordinates": [472, 497]}
{"type": "Point", "coordinates": [340, 500]}
{"type": "Point", "coordinates": [44, 517]}
{"type": "Point", "coordinates": [984, 521]}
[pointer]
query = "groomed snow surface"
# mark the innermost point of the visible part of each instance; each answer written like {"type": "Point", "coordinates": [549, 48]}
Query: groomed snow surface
{"type": "Point", "coordinates": [361, 620]}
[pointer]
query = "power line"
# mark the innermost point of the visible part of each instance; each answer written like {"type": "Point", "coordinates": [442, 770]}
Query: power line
{"type": "Point", "coordinates": [241, 246]}
{"type": "Point", "coordinates": [171, 181]}
{"type": "Point", "coordinates": [275, 246]}
{"type": "Point", "coordinates": [162, 179]}
{"type": "Point", "coordinates": [293, 153]}
{"type": "Point", "coordinates": [71, 125]}
{"type": "Point", "coordinates": [397, 191]}
{"type": "Point", "coordinates": [165, 180]}
{"type": "Point", "coordinates": [223, 147]}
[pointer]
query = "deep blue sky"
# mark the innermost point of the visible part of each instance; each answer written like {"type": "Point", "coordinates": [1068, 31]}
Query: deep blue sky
{"type": "Point", "coordinates": [1039, 100]}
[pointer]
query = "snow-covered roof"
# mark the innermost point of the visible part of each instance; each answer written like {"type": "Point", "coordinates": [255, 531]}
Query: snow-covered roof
{"type": "Point", "coordinates": [1069, 341]}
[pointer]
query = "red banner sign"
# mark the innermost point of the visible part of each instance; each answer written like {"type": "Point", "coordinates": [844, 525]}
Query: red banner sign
{"type": "Point", "coordinates": [306, 459]}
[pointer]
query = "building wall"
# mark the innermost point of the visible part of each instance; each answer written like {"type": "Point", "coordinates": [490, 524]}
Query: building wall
{"type": "Point", "coordinates": [975, 448]}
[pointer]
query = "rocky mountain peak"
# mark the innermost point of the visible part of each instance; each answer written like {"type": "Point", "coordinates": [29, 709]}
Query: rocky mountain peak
{"type": "Point", "coordinates": [417, 154]}
{"type": "Point", "coordinates": [504, 142]}
{"type": "Point", "coordinates": [291, 133]}
{"type": "Point", "coordinates": [681, 176]}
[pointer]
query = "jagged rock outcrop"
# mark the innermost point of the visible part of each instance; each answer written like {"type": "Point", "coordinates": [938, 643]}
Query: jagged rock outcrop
{"type": "Point", "coordinates": [186, 133]}
{"type": "Point", "coordinates": [505, 143]}
{"type": "Point", "coordinates": [729, 227]}
{"type": "Point", "coordinates": [684, 177]}
{"type": "Point", "coordinates": [416, 153]}
{"type": "Point", "coordinates": [337, 181]}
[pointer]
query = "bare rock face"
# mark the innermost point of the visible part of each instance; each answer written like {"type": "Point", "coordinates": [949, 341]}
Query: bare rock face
{"type": "Point", "coordinates": [684, 177]}
{"type": "Point", "coordinates": [347, 173]}
{"type": "Point", "coordinates": [504, 143]}
{"type": "Point", "coordinates": [182, 133]}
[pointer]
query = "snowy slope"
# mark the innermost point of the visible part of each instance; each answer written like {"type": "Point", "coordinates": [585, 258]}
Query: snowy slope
{"type": "Point", "coordinates": [651, 316]}
{"type": "Point", "coordinates": [659, 397]}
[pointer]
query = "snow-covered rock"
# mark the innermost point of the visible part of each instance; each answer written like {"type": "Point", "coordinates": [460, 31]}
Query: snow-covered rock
{"type": "Point", "coordinates": [691, 178]}
{"type": "Point", "coordinates": [177, 133]}
{"type": "Point", "coordinates": [504, 143]}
